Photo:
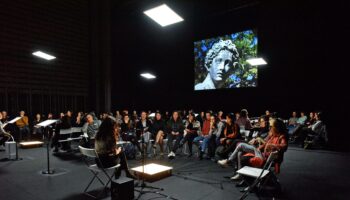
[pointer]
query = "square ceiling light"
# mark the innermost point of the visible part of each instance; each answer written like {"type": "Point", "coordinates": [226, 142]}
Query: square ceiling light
{"type": "Point", "coordinates": [163, 15]}
{"type": "Point", "coordinates": [148, 75]}
{"type": "Point", "coordinates": [43, 55]}
{"type": "Point", "coordinates": [256, 61]}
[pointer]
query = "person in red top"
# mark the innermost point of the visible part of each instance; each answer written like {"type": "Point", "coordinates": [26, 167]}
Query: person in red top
{"type": "Point", "coordinates": [276, 141]}
{"type": "Point", "coordinates": [204, 135]}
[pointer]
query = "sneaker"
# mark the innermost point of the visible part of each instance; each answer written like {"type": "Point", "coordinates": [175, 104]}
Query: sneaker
{"type": "Point", "coordinates": [223, 162]}
{"type": "Point", "coordinates": [171, 155]}
{"type": "Point", "coordinates": [55, 150]}
{"type": "Point", "coordinates": [235, 177]}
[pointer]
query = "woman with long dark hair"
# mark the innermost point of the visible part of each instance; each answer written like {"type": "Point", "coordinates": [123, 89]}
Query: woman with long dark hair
{"type": "Point", "coordinates": [191, 131]}
{"type": "Point", "coordinates": [106, 147]}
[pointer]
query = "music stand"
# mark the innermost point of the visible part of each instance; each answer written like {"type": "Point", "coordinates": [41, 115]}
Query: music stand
{"type": "Point", "coordinates": [11, 122]}
{"type": "Point", "coordinates": [143, 184]}
{"type": "Point", "coordinates": [45, 124]}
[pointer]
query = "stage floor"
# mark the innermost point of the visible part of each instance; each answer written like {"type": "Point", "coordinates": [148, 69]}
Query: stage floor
{"type": "Point", "coordinates": [305, 174]}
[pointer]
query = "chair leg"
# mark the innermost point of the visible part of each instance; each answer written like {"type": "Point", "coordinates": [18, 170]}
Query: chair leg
{"type": "Point", "coordinates": [87, 187]}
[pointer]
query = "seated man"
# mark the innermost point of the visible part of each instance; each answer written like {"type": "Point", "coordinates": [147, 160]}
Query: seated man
{"type": "Point", "coordinates": [292, 122]}
{"type": "Point", "coordinates": [64, 123]}
{"type": "Point", "coordinates": [316, 132]}
{"type": "Point", "coordinates": [23, 126]}
{"type": "Point", "coordinates": [204, 135]}
{"type": "Point", "coordinates": [276, 141]}
{"type": "Point", "coordinates": [231, 137]}
{"type": "Point", "coordinates": [90, 128]}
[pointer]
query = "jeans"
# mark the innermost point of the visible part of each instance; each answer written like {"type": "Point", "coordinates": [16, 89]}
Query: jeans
{"type": "Point", "coordinates": [245, 148]}
{"type": "Point", "coordinates": [204, 143]}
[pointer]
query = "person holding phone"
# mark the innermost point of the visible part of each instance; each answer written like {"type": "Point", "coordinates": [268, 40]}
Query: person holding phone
{"type": "Point", "coordinates": [106, 147]}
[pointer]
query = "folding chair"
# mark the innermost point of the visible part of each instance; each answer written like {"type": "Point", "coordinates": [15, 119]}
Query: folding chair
{"type": "Point", "coordinates": [261, 175]}
{"type": "Point", "coordinates": [89, 155]}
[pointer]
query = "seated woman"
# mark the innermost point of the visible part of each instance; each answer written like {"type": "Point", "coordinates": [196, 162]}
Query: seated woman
{"type": "Point", "coordinates": [158, 130]}
{"type": "Point", "coordinates": [191, 131]}
{"type": "Point", "coordinates": [128, 132]}
{"type": "Point", "coordinates": [4, 136]}
{"type": "Point", "coordinates": [262, 128]}
{"type": "Point", "coordinates": [106, 148]}
{"type": "Point", "coordinates": [276, 141]}
{"type": "Point", "coordinates": [143, 128]}
{"type": "Point", "coordinates": [175, 130]}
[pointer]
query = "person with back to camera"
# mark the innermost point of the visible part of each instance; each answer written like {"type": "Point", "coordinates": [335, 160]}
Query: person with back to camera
{"type": "Point", "coordinates": [220, 59]}
{"type": "Point", "coordinates": [106, 148]}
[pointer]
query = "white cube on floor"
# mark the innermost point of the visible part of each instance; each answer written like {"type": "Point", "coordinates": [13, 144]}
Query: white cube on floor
{"type": "Point", "coordinates": [10, 150]}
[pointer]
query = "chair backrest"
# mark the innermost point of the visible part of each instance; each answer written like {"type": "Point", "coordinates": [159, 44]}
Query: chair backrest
{"type": "Point", "coordinates": [65, 131]}
{"type": "Point", "coordinates": [76, 129]}
{"type": "Point", "coordinates": [324, 133]}
{"type": "Point", "coordinates": [88, 152]}
{"type": "Point", "coordinates": [273, 156]}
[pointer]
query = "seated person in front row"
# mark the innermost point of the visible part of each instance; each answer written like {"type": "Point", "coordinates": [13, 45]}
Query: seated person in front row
{"type": "Point", "coordinates": [276, 141]}
{"type": "Point", "coordinates": [90, 128]}
{"type": "Point", "coordinates": [23, 126]}
{"type": "Point", "coordinates": [191, 132]}
{"type": "Point", "coordinates": [231, 136]}
{"type": "Point", "coordinates": [4, 136]}
{"type": "Point", "coordinates": [175, 129]}
{"type": "Point", "coordinates": [109, 154]}
{"type": "Point", "coordinates": [204, 135]}
{"type": "Point", "coordinates": [158, 130]}
{"type": "Point", "coordinates": [143, 128]}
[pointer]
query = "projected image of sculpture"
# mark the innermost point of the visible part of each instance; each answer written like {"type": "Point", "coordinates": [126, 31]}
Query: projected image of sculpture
{"type": "Point", "coordinates": [221, 62]}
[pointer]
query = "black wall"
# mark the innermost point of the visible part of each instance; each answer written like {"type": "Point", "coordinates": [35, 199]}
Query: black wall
{"type": "Point", "coordinates": [298, 42]}
{"type": "Point", "coordinates": [60, 28]}
{"type": "Point", "coordinates": [304, 44]}
{"type": "Point", "coordinates": [77, 33]}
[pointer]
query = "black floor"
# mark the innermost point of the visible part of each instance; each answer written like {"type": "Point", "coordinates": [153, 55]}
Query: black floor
{"type": "Point", "coordinates": [305, 174]}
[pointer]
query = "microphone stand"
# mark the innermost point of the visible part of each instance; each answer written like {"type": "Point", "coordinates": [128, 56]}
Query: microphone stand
{"type": "Point", "coordinates": [48, 171]}
{"type": "Point", "coordinates": [143, 184]}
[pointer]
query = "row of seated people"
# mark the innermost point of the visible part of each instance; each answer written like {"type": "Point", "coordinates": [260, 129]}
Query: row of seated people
{"type": "Point", "coordinates": [256, 150]}
{"type": "Point", "coordinates": [25, 129]}
{"type": "Point", "coordinates": [305, 130]}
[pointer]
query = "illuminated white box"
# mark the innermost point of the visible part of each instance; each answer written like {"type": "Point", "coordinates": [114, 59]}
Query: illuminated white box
{"type": "Point", "coordinates": [152, 172]}
{"type": "Point", "coordinates": [31, 144]}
